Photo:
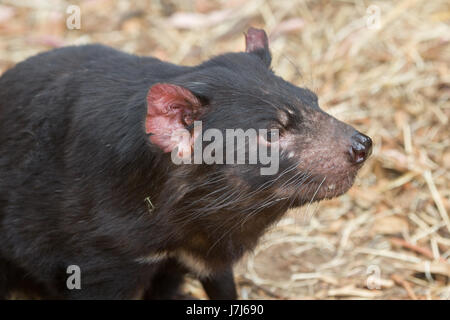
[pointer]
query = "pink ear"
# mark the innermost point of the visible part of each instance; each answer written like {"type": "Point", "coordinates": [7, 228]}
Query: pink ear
{"type": "Point", "coordinates": [256, 39]}
{"type": "Point", "coordinates": [169, 109]}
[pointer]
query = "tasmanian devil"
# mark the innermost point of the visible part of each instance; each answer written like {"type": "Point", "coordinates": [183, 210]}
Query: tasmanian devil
{"type": "Point", "coordinates": [88, 178]}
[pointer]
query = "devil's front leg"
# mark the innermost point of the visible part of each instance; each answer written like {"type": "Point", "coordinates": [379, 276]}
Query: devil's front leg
{"type": "Point", "coordinates": [220, 286]}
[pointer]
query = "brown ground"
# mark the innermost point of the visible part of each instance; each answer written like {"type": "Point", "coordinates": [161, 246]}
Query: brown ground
{"type": "Point", "coordinates": [389, 237]}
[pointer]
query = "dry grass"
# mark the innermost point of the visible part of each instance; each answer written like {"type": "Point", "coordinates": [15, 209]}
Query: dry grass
{"type": "Point", "coordinates": [389, 237]}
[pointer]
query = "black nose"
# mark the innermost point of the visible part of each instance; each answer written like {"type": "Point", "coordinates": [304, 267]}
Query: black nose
{"type": "Point", "coordinates": [361, 148]}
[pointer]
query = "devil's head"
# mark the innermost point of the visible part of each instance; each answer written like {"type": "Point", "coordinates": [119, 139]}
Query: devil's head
{"type": "Point", "coordinates": [318, 155]}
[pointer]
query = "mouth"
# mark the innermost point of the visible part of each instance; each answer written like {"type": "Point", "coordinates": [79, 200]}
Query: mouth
{"type": "Point", "coordinates": [330, 189]}
{"type": "Point", "coordinates": [319, 188]}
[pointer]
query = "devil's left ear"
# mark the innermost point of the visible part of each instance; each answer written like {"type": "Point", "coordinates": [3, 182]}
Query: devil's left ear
{"type": "Point", "coordinates": [170, 109]}
{"type": "Point", "coordinates": [256, 42]}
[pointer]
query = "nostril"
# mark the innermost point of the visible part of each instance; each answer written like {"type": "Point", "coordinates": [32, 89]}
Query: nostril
{"type": "Point", "coordinates": [361, 148]}
{"type": "Point", "coordinates": [358, 153]}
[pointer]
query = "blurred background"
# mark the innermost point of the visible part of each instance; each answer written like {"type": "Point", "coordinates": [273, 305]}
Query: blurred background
{"type": "Point", "coordinates": [382, 66]}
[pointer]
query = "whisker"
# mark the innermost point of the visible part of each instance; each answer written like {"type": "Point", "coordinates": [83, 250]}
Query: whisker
{"type": "Point", "coordinates": [314, 195]}
{"type": "Point", "coordinates": [261, 207]}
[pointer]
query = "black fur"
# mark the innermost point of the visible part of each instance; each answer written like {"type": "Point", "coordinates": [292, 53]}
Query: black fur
{"type": "Point", "coordinates": [76, 167]}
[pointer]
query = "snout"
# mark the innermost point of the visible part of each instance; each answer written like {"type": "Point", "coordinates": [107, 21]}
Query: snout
{"type": "Point", "coordinates": [361, 148]}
